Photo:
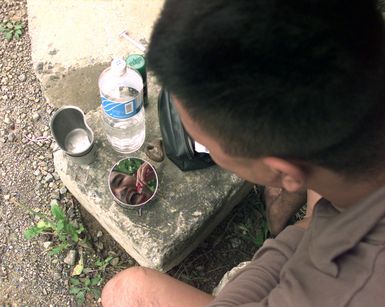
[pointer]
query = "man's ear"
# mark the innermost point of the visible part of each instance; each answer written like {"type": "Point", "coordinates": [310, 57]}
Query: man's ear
{"type": "Point", "coordinates": [291, 176]}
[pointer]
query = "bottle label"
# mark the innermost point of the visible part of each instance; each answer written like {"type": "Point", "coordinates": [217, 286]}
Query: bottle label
{"type": "Point", "coordinates": [122, 110]}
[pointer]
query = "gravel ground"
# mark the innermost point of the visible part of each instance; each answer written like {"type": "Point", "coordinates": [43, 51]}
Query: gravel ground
{"type": "Point", "coordinates": [28, 276]}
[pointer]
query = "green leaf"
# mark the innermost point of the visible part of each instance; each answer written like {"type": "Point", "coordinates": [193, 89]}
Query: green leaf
{"type": "Point", "coordinates": [74, 236]}
{"type": "Point", "coordinates": [18, 32]}
{"type": "Point", "coordinates": [87, 270]}
{"type": "Point", "coordinates": [9, 25]}
{"type": "Point", "coordinates": [103, 263]}
{"type": "Point", "coordinates": [8, 35]}
{"type": "Point", "coordinates": [19, 26]}
{"type": "Point", "coordinates": [80, 297]}
{"type": "Point", "coordinates": [32, 232]}
{"type": "Point", "coordinates": [59, 225]}
{"type": "Point", "coordinates": [57, 249]}
{"type": "Point", "coordinates": [57, 212]}
{"type": "Point", "coordinates": [87, 282]}
{"type": "Point", "coordinates": [80, 229]}
{"type": "Point", "coordinates": [96, 280]}
{"type": "Point", "coordinates": [2, 29]}
{"type": "Point", "coordinates": [75, 290]}
{"type": "Point", "coordinates": [96, 293]}
{"type": "Point", "coordinates": [84, 243]}
{"type": "Point", "coordinates": [99, 262]}
{"type": "Point", "coordinates": [74, 281]}
{"type": "Point", "coordinates": [43, 225]}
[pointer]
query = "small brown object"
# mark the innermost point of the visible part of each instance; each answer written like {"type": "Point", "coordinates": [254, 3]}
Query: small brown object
{"type": "Point", "coordinates": [154, 150]}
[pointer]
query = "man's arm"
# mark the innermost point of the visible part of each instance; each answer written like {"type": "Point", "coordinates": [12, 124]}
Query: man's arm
{"type": "Point", "coordinates": [252, 285]}
{"type": "Point", "coordinates": [261, 275]}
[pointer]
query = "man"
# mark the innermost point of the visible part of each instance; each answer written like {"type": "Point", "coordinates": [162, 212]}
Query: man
{"type": "Point", "coordinates": [285, 93]}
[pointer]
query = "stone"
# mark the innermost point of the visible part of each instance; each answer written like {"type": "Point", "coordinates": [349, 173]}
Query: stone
{"type": "Point", "coordinates": [7, 197]}
{"type": "Point", "coordinates": [56, 276]}
{"type": "Point", "coordinates": [55, 195]}
{"type": "Point", "coordinates": [62, 190]}
{"type": "Point", "coordinates": [55, 176]}
{"type": "Point", "coordinates": [235, 243]}
{"type": "Point", "coordinates": [71, 257]}
{"type": "Point", "coordinates": [54, 202]}
{"type": "Point", "coordinates": [99, 245]}
{"type": "Point", "coordinates": [115, 261]}
{"type": "Point", "coordinates": [188, 207]}
{"type": "Point", "coordinates": [48, 178]}
{"type": "Point", "coordinates": [35, 116]}
{"type": "Point", "coordinates": [22, 77]}
{"type": "Point", "coordinates": [11, 137]}
{"type": "Point", "coordinates": [47, 244]}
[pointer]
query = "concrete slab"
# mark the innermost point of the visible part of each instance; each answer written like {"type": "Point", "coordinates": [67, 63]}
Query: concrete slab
{"type": "Point", "coordinates": [73, 41]}
{"type": "Point", "coordinates": [188, 207]}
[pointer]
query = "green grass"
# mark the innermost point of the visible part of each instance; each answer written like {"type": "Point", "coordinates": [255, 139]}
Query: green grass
{"type": "Point", "coordinates": [254, 226]}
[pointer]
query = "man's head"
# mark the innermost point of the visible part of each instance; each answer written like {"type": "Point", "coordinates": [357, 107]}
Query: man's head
{"type": "Point", "coordinates": [298, 80]}
{"type": "Point", "coordinates": [124, 187]}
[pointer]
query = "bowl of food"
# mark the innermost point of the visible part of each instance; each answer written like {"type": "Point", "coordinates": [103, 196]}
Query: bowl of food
{"type": "Point", "coordinates": [133, 182]}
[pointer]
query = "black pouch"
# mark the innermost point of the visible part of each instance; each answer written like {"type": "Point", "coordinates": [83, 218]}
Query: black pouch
{"type": "Point", "coordinates": [178, 145]}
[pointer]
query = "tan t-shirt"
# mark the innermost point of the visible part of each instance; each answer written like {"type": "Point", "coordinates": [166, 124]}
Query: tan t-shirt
{"type": "Point", "coordinates": [338, 261]}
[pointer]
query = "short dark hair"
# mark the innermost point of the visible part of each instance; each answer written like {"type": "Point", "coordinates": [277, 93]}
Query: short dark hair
{"type": "Point", "coordinates": [297, 79]}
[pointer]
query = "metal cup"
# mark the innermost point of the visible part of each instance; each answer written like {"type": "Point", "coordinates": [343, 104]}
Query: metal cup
{"type": "Point", "coordinates": [73, 135]}
{"type": "Point", "coordinates": [126, 189]}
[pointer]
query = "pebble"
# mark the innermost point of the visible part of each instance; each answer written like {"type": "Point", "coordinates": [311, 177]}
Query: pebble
{"type": "Point", "coordinates": [11, 137]}
{"type": "Point", "coordinates": [47, 244]}
{"type": "Point", "coordinates": [7, 197]}
{"type": "Point", "coordinates": [99, 234]}
{"type": "Point", "coordinates": [56, 276]}
{"type": "Point", "coordinates": [55, 195]}
{"type": "Point", "coordinates": [35, 116]}
{"type": "Point", "coordinates": [56, 176]}
{"type": "Point", "coordinates": [235, 242]}
{"type": "Point", "coordinates": [48, 178]}
{"type": "Point", "coordinates": [3, 271]}
{"type": "Point", "coordinates": [63, 190]}
{"type": "Point", "coordinates": [71, 257]}
{"type": "Point", "coordinates": [99, 245]}
{"type": "Point", "coordinates": [22, 77]}
{"type": "Point", "coordinates": [115, 261]}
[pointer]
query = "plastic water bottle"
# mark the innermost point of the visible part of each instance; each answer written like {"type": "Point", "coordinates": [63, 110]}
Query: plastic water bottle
{"type": "Point", "coordinates": [121, 91]}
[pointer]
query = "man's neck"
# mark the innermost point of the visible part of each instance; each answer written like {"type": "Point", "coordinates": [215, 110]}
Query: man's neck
{"type": "Point", "coordinates": [340, 191]}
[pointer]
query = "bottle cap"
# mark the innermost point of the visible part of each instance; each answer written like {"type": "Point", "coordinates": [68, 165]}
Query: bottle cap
{"type": "Point", "coordinates": [118, 66]}
{"type": "Point", "coordinates": [137, 61]}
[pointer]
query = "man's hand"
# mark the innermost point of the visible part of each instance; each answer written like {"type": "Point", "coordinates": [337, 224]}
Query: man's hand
{"type": "Point", "coordinates": [144, 174]}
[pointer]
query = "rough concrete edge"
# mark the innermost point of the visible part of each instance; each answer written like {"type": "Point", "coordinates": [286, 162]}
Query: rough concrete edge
{"type": "Point", "coordinates": [100, 217]}
{"type": "Point", "coordinates": [211, 224]}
